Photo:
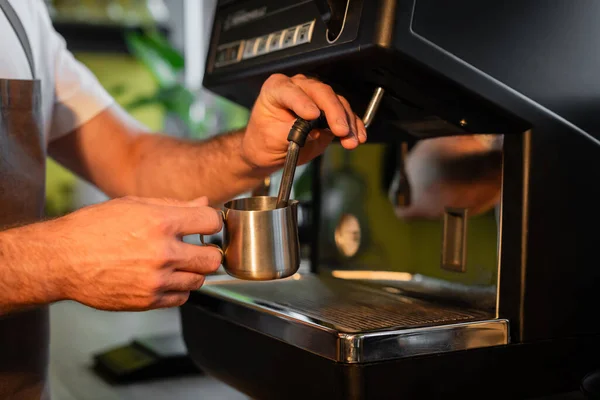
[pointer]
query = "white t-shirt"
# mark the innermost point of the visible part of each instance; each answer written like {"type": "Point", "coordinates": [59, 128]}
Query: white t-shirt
{"type": "Point", "coordinates": [71, 94]}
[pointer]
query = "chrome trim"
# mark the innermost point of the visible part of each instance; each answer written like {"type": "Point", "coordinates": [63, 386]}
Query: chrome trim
{"type": "Point", "coordinates": [373, 107]}
{"type": "Point", "coordinates": [500, 228]}
{"type": "Point", "coordinates": [327, 340]}
{"type": "Point", "coordinates": [343, 26]}
{"type": "Point", "coordinates": [391, 345]}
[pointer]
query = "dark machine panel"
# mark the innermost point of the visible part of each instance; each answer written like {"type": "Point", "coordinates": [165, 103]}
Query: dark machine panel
{"type": "Point", "coordinates": [546, 51]}
{"type": "Point", "coordinates": [419, 100]}
{"type": "Point", "coordinates": [265, 36]}
{"type": "Point", "coordinates": [256, 33]}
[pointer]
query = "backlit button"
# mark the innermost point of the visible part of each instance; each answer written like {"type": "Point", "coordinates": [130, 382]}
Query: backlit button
{"type": "Point", "coordinates": [249, 48]}
{"type": "Point", "coordinates": [221, 56]}
{"type": "Point", "coordinates": [261, 47]}
{"type": "Point", "coordinates": [275, 41]}
{"type": "Point", "coordinates": [288, 37]}
{"type": "Point", "coordinates": [303, 34]}
{"type": "Point", "coordinates": [232, 53]}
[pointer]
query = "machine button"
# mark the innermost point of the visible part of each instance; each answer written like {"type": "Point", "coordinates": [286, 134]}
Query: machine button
{"type": "Point", "coordinates": [221, 56]}
{"type": "Point", "coordinates": [289, 37]}
{"type": "Point", "coordinates": [303, 33]}
{"type": "Point", "coordinates": [249, 48]}
{"type": "Point", "coordinates": [275, 41]}
{"type": "Point", "coordinates": [232, 53]}
{"type": "Point", "coordinates": [261, 47]}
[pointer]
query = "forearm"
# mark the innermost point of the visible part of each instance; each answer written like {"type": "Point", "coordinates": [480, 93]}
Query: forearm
{"type": "Point", "coordinates": [28, 273]}
{"type": "Point", "coordinates": [169, 167]}
{"type": "Point", "coordinates": [115, 153]}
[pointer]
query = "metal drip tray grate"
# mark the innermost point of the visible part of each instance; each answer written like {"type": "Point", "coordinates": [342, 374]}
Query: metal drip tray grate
{"type": "Point", "coordinates": [349, 306]}
{"type": "Point", "coordinates": [347, 321]}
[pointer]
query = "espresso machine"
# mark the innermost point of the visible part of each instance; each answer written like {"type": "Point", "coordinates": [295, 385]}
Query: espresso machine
{"type": "Point", "coordinates": [500, 304]}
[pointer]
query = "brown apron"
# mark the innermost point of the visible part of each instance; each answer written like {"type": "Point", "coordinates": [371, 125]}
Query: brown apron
{"type": "Point", "coordinates": [24, 336]}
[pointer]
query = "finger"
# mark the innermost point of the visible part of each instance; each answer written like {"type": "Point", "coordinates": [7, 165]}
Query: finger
{"type": "Point", "coordinates": [315, 147]}
{"type": "Point", "coordinates": [350, 141]}
{"type": "Point", "coordinates": [362, 130]}
{"type": "Point", "coordinates": [172, 299]}
{"type": "Point", "coordinates": [181, 281]}
{"type": "Point", "coordinates": [201, 260]}
{"type": "Point", "coordinates": [199, 202]}
{"type": "Point", "coordinates": [280, 92]}
{"type": "Point", "coordinates": [326, 99]}
{"type": "Point", "coordinates": [194, 220]}
{"type": "Point", "coordinates": [316, 134]}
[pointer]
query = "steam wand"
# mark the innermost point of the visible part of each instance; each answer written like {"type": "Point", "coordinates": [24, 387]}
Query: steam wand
{"type": "Point", "coordinates": [297, 138]}
{"type": "Point", "coordinates": [373, 107]}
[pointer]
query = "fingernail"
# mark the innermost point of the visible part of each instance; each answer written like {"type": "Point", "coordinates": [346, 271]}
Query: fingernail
{"type": "Point", "coordinates": [356, 134]}
{"type": "Point", "coordinates": [363, 135]}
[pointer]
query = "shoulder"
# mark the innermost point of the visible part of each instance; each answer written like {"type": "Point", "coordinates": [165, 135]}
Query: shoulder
{"type": "Point", "coordinates": [36, 20]}
{"type": "Point", "coordinates": [31, 13]}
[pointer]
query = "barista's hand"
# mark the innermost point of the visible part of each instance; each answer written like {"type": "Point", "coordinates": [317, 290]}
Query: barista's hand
{"type": "Point", "coordinates": [127, 254]}
{"type": "Point", "coordinates": [458, 171]}
{"type": "Point", "coordinates": [281, 101]}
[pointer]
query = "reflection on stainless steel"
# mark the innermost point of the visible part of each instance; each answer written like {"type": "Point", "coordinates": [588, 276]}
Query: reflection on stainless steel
{"type": "Point", "coordinates": [373, 107]}
{"type": "Point", "coordinates": [221, 276]}
{"type": "Point", "coordinates": [430, 127]}
{"type": "Point", "coordinates": [260, 242]}
{"type": "Point", "coordinates": [373, 275]}
{"type": "Point", "coordinates": [263, 189]}
{"type": "Point", "coordinates": [349, 322]}
{"type": "Point", "coordinates": [399, 191]}
{"type": "Point", "coordinates": [347, 235]}
{"type": "Point", "coordinates": [454, 241]}
{"type": "Point", "coordinates": [480, 297]}
{"type": "Point", "coordinates": [421, 341]}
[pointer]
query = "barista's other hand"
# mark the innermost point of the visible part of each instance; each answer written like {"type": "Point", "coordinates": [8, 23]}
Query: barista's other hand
{"type": "Point", "coordinates": [456, 171]}
{"type": "Point", "coordinates": [128, 255]}
{"type": "Point", "coordinates": [281, 101]}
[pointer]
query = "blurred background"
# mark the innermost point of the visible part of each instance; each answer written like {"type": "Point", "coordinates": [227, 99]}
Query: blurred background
{"type": "Point", "coordinates": [149, 54]}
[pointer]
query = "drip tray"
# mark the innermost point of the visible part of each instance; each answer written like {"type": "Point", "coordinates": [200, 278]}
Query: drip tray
{"type": "Point", "coordinates": [349, 322]}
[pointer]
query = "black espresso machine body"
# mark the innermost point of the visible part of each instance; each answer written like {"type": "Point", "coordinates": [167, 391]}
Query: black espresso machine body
{"type": "Point", "coordinates": [520, 69]}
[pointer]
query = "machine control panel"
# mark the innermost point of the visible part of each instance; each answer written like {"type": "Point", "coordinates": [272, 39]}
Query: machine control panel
{"type": "Point", "coordinates": [231, 53]}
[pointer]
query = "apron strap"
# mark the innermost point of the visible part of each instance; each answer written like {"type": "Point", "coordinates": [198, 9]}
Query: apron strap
{"type": "Point", "coordinates": [14, 20]}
